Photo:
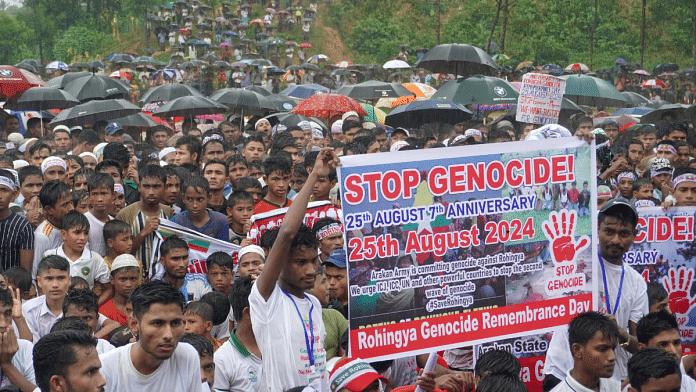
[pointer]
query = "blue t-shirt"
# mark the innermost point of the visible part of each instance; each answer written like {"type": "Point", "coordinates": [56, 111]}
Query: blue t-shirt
{"type": "Point", "coordinates": [216, 227]}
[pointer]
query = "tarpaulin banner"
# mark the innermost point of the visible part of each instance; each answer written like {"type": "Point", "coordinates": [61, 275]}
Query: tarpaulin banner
{"type": "Point", "coordinates": [459, 246]}
{"type": "Point", "coordinates": [260, 223]}
{"type": "Point", "coordinates": [664, 251]}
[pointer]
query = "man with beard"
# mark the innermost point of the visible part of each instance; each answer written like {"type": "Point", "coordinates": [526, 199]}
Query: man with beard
{"type": "Point", "coordinates": [156, 362]}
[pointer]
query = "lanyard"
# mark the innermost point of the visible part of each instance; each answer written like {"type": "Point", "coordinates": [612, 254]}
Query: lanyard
{"type": "Point", "coordinates": [310, 347]}
{"type": "Point", "coordinates": [606, 290]}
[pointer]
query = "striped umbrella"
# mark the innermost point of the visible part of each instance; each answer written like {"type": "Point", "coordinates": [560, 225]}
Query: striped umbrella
{"type": "Point", "coordinates": [421, 90]}
{"type": "Point", "coordinates": [374, 115]}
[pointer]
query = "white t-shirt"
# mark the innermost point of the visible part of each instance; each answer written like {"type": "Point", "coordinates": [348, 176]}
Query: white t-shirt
{"type": "Point", "coordinates": [276, 320]}
{"type": "Point", "coordinates": [568, 384]}
{"type": "Point", "coordinates": [688, 384]}
{"type": "Point", "coordinates": [632, 307]}
{"type": "Point", "coordinates": [236, 371]}
{"type": "Point", "coordinates": [96, 234]}
{"type": "Point", "coordinates": [104, 347]}
{"type": "Point", "coordinates": [39, 318]}
{"type": "Point", "coordinates": [180, 373]}
{"type": "Point", "coordinates": [403, 371]}
{"type": "Point", "coordinates": [46, 236]}
{"type": "Point", "coordinates": [89, 266]}
{"type": "Point", "coordinates": [23, 361]}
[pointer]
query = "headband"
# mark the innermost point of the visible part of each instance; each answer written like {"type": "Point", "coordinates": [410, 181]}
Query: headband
{"type": "Point", "coordinates": [10, 182]}
{"type": "Point", "coordinates": [626, 174]}
{"type": "Point", "coordinates": [603, 191]}
{"type": "Point", "coordinates": [317, 133]}
{"type": "Point", "coordinates": [328, 230]}
{"type": "Point", "coordinates": [667, 148]}
{"type": "Point", "coordinates": [472, 132]}
{"type": "Point", "coordinates": [166, 151]}
{"type": "Point", "coordinates": [214, 136]}
{"type": "Point", "coordinates": [256, 125]}
{"type": "Point", "coordinates": [644, 203]}
{"type": "Point", "coordinates": [53, 161]}
{"type": "Point", "coordinates": [118, 188]}
{"type": "Point", "coordinates": [456, 139]}
{"type": "Point", "coordinates": [683, 178]}
{"type": "Point", "coordinates": [88, 154]}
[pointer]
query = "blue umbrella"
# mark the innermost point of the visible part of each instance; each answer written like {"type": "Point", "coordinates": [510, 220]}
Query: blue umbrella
{"type": "Point", "coordinates": [231, 33]}
{"type": "Point", "coordinates": [57, 65]}
{"type": "Point", "coordinates": [304, 90]}
{"type": "Point", "coordinates": [637, 111]}
{"type": "Point", "coordinates": [202, 43]}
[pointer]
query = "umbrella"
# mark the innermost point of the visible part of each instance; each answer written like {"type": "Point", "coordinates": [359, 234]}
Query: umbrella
{"type": "Point", "coordinates": [634, 111]}
{"type": "Point", "coordinates": [568, 108]}
{"type": "Point", "coordinates": [328, 106]}
{"type": "Point", "coordinates": [677, 112]}
{"type": "Point", "coordinates": [225, 45]}
{"type": "Point", "coordinates": [656, 104]}
{"type": "Point", "coordinates": [304, 46]}
{"type": "Point", "coordinates": [552, 68]}
{"type": "Point", "coordinates": [209, 58]}
{"type": "Point", "coordinates": [395, 64]}
{"type": "Point", "coordinates": [283, 103]}
{"type": "Point", "coordinates": [169, 92]}
{"type": "Point", "coordinates": [641, 72]}
{"type": "Point", "coordinates": [421, 91]}
{"type": "Point", "coordinates": [90, 87]}
{"type": "Point", "coordinates": [136, 120]}
{"type": "Point", "coordinates": [653, 83]}
{"type": "Point", "coordinates": [61, 81]}
{"type": "Point", "coordinates": [222, 64]}
{"type": "Point", "coordinates": [15, 80]}
{"type": "Point", "coordinates": [230, 33]}
{"type": "Point", "coordinates": [500, 56]}
{"type": "Point", "coordinates": [344, 64]}
{"type": "Point", "coordinates": [275, 72]}
{"type": "Point", "coordinates": [523, 64]}
{"type": "Point", "coordinates": [592, 91]}
{"type": "Point", "coordinates": [458, 59]}
{"type": "Point", "coordinates": [341, 72]}
{"type": "Point", "coordinates": [98, 64]}
{"type": "Point", "coordinates": [184, 31]}
{"type": "Point", "coordinates": [220, 19]}
{"type": "Point", "coordinates": [374, 115]}
{"type": "Point", "coordinates": [146, 60]}
{"type": "Point", "coordinates": [120, 74]}
{"type": "Point", "coordinates": [189, 106]}
{"type": "Point", "coordinates": [93, 111]}
{"type": "Point", "coordinates": [57, 65]}
{"type": "Point", "coordinates": [258, 89]}
{"type": "Point", "coordinates": [634, 99]}
{"type": "Point", "coordinates": [245, 100]}
{"type": "Point", "coordinates": [578, 67]}
{"type": "Point", "coordinates": [665, 67]}
{"type": "Point", "coordinates": [261, 63]}
{"type": "Point", "coordinates": [307, 20]}
{"type": "Point", "coordinates": [668, 75]}
{"type": "Point", "coordinates": [373, 90]}
{"type": "Point", "coordinates": [291, 119]}
{"type": "Point", "coordinates": [173, 27]}
{"type": "Point", "coordinates": [34, 62]}
{"type": "Point", "coordinates": [42, 98]}
{"type": "Point", "coordinates": [243, 6]}
{"type": "Point", "coordinates": [26, 67]}
{"type": "Point", "coordinates": [121, 58]}
{"type": "Point", "coordinates": [478, 89]}
{"type": "Point", "coordinates": [270, 11]}
{"type": "Point", "coordinates": [257, 22]}
{"type": "Point", "coordinates": [318, 58]}
{"type": "Point", "coordinates": [310, 67]}
{"type": "Point", "coordinates": [204, 26]}
{"type": "Point", "coordinates": [304, 90]}
{"type": "Point", "coordinates": [417, 113]}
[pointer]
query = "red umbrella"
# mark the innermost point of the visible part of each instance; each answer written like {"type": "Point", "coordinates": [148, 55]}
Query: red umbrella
{"type": "Point", "coordinates": [327, 106]}
{"type": "Point", "coordinates": [257, 22]}
{"type": "Point", "coordinates": [652, 83]}
{"type": "Point", "coordinates": [16, 80]}
{"type": "Point", "coordinates": [184, 31]}
{"type": "Point", "coordinates": [304, 46]}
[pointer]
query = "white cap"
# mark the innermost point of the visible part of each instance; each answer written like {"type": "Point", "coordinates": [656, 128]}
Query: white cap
{"type": "Point", "coordinates": [349, 114]}
{"type": "Point", "coordinates": [20, 163]}
{"type": "Point", "coordinates": [25, 145]}
{"type": "Point", "coordinates": [53, 161]}
{"type": "Point", "coordinates": [398, 145]}
{"type": "Point", "coordinates": [16, 138]}
{"type": "Point", "coordinates": [61, 128]}
{"type": "Point", "coordinates": [88, 154]}
{"type": "Point", "coordinates": [251, 249]}
{"type": "Point", "coordinates": [166, 151]}
{"type": "Point", "coordinates": [99, 150]}
{"type": "Point", "coordinates": [337, 126]}
{"type": "Point", "coordinates": [123, 261]}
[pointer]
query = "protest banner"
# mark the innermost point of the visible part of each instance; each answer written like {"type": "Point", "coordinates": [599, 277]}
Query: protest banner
{"type": "Point", "coordinates": [540, 99]}
{"type": "Point", "coordinates": [460, 247]}
{"type": "Point", "coordinates": [200, 247]}
{"type": "Point", "coordinates": [665, 252]}
{"type": "Point", "coordinates": [260, 223]}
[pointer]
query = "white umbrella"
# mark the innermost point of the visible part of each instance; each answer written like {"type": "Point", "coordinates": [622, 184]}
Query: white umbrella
{"type": "Point", "coordinates": [395, 64]}
{"type": "Point", "coordinates": [57, 65]}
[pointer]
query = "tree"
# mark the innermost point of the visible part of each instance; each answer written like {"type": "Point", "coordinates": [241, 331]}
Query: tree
{"type": "Point", "coordinates": [76, 42]}
{"type": "Point", "coordinates": [15, 35]}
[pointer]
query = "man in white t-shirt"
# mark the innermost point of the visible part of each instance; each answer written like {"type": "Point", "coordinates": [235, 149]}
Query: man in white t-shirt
{"type": "Point", "coordinates": [156, 362]}
{"type": "Point", "coordinates": [67, 361]}
{"type": "Point", "coordinates": [593, 339]}
{"type": "Point", "coordinates": [280, 309]}
{"type": "Point", "coordinates": [627, 299]}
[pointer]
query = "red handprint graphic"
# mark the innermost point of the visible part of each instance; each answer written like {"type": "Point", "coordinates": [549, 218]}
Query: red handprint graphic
{"type": "Point", "coordinates": [678, 283]}
{"type": "Point", "coordinates": [560, 230]}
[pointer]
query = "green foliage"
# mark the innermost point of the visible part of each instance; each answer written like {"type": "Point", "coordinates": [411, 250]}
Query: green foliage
{"type": "Point", "coordinates": [376, 38]}
{"type": "Point", "coordinates": [15, 35]}
{"type": "Point", "coordinates": [76, 42]}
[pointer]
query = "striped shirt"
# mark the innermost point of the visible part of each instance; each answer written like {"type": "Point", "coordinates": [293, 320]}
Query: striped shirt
{"type": "Point", "coordinates": [136, 219]}
{"type": "Point", "coordinates": [16, 234]}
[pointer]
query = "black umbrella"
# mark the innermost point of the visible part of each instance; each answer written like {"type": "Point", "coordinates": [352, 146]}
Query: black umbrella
{"type": "Point", "coordinates": [634, 99]}
{"type": "Point", "coordinates": [373, 90]}
{"type": "Point", "coordinates": [676, 111]}
{"type": "Point", "coordinates": [97, 87]}
{"type": "Point", "coordinates": [43, 98]}
{"type": "Point", "coordinates": [283, 103]}
{"type": "Point", "coordinates": [657, 104]}
{"type": "Point", "coordinates": [61, 81]}
{"type": "Point", "coordinates": [189, 106]}
{"type": "Point", "coordinates": [665, 67]}
{"type": "Point", "coordinates": [121, 58]}
{"type": "Point", "coordinates": [261, 63]}
{"type": "Point", "coordinates": [27, 67]}
{"type": "Point", "coordinates": [36, 63]}
{"type": "Point", "coordinates": [98, 64]}
{"type": "Point", "coordinates": [168, 92]}
{"type": "Point", "coordinates": [310, 67]}
{"type": "Point", "coordinates": [457, 59]}
{"type": "Point", "coordinates": [93, 111]}
{"type": "Point", "coordinates": [136, 120]}
{"type": "Point", "coordinates": [244, 100]}
{"type": "Point", "coordinates": [416, 113]}
{"type": "Point", "coordinates": [292, 119]}
{"type": "Point", "coordinates": [210, 58]}
{"type": "Point", "coordinates": [258, 89]}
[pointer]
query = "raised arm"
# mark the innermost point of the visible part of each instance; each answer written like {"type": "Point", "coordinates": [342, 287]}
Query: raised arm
{"type": "Point", "coordinates": [276, 259]}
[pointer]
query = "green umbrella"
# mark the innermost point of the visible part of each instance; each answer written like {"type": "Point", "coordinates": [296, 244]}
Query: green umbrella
{"type": "Point", "coordinates": [591, 91]}
{"type": "Point", "coordinates": [478, 89]}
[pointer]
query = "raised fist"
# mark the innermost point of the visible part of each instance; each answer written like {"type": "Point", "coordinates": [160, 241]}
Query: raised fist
{"type": "Point", "coordinates": [678, 283]}
{"type": "Point", "coordinates": [560, 230]}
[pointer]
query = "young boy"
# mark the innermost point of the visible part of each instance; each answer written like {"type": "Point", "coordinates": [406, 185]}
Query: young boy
{"type": "Point", "coordinates": [53, 278]}
{"type": "Point", "coordinates": [279, 306]}
{"type": "Point", "coordinates": [82, 304]}
{"type": "Point", "coordinates": [198, 319]}
{"type": "Point", "coordinates": [172, 187]}
{"type": "Point", "coordinates": [119, 200]}
{"type": "Point", "coordinates": [118, 237]}
{"type": "Point", "coordinates": [593, 338]}
{"type": "Point", "coordinates": [625, 181]}
{"type": "Point", "coordinates": [652, 369]}
{"type": "Point", "coordinates": [101, 197]}
{"type": "Point", "coordinates": [17, 278]}
{"type": "Point", "coordinates": [298, 179]}
{"type": "Point", "coordinates": [237, 168]}
{"type": "Point", "coordinates": [643, 191]}
{"type": "Point", "coordinates": [197, 216]}
{"type": "Point", "coordinates": [329, 232]}
{"type": "Point", "coordinates": [125, 276]}
{"type": "Point", "coordinates": [205, 352]}
{"type": "Point", "coordinates": [240, 208]}
{"type": "Point", "coordinates": [336, 324]}
{"type": "Point", "coordinates": [83, 262]}
{"type": "Point", "coordinates": [660, 330]}
{"type": "Point", "coordinates": [277, 169]}
{"type": "Point", "coordinates": [56, 202]}
{"type": "Point", "coordinates": [220, 272]}
{"type": "Point", "coordinates": [660, 174]}
{"type": "Point", "coordinates": [80, 179]}
{"type": "Point", "coordinates": [215, 171]}
{"type": "Point", "coordinates": [16, 233]}
{"type": "Point", "coordinates": [684, 187]}
{"type": "Point", "coordinates": [30, 183]}
{"type": "Point", "coordinates": [323, 186]}
{"type": "Point", "coordinates": [251, 186]}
